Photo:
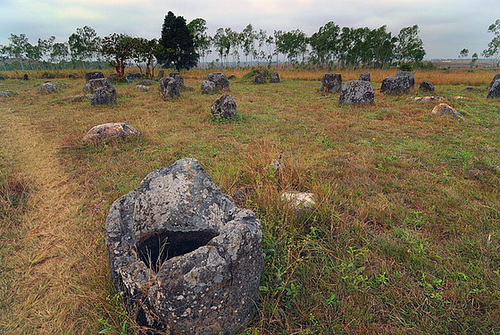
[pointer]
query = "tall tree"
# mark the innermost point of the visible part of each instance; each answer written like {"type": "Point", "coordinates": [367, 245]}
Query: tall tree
{"type": "Point", "coordinates": [292, 44]}
{"type": "Point", "coordinates": [177, 42]}
{"type": "Point", "coordinates": [33, 53]}
{"type": "Point", "coordinates": [201, 41]}
{"type": "Point", "coordinates": [261, 38]}
{"type": "Point", "coordinates": [84, 45]}
{"type": "Point", "coordinates": [410, 47]}
{"type": "Point", "coordinates": [45, 46]}
{"type": "Point", "coordinates": [222, 44]}
{"type": "Point", "coordinates": [144, 52]}
{"type": "Point", "coordinates": [382, 45]}
{"type": "Point", "coordinates": [325, 43]}
{"type": "Point", "coordinates": [235, 41]}
{"type": "Point", "coordinates": [59, 53]}
{"type": "Point", "coordinates": [248, 37]}
{"type": "Point", "coordinates": [18, 46]}
{"type": "Point", "coordinates": [493, 50]}
{"type": "Point", "coordinates": [118, 49]}
{"type": "Point", "coordinates": [463, 53]}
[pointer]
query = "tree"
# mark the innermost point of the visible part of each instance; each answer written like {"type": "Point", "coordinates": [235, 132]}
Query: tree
{"type": "Point", "coordinates": [248, 37]}
{"type": "Point", "coordinates": [493, 49]}
{"type": "Point", "coordinates": [84, 44]}
{"type": "Point", "coordinates": [59, 53]}
{"type": "Point", "coordinates": [222, 44]}
{"type": "Point", "coordinates": [324, 43]}
{"type": "Point", "coordinates": [18, 45]}
{"type": "Point", "coordinates": [46, 46]}
{"type": "Point", "coordinates": [177, 42]}
{"type": "Point", "coordinates": [382, 44]}
{"type": "Point", "coordinates": [201, 41]}
{"type": "Point", "coordinates": [463, 53]}
{"type": "Point", "coordinates": [262, 39]}
{"type": "Point", "coordinates": [118, 49]}
{"type": "Point", "coordinates": [292, 44]}
{"type": "Point", "coordinates": [474, 59]}
{"type": "Point", "coordinates": [235, 40]}
{"type": "Point", "coordinates": [33, 53]}
{"type": "Point", "coordinates": [144, 52]}
{"type": "Point", "coordinates": [410, 47]}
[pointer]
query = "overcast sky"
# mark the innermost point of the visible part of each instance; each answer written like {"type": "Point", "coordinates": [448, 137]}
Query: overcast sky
{"type": "Point", "coordinates": [446, 26]}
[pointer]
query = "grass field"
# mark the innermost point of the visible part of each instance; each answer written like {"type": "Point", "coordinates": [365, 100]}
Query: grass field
{"type": "Point", "coordinates": [405, 237]}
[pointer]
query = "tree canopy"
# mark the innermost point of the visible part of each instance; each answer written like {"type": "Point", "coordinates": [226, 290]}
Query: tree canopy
{"type": "Point", "coordinates": [177, 44]}
{"type": "Point", "coordinates": [493, 50]}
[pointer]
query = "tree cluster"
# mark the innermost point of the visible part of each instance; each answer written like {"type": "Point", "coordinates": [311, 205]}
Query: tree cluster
{"type": "Point", "coordinates": [182, 45]}
{"type": "Point", "coordinates": [330, 44]}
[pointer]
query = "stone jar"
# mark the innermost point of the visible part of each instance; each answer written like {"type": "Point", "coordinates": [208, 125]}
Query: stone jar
{"type": "Point", "coordinates": [331, 82]}
{"type": "Point", "coordinates": [184, 258]}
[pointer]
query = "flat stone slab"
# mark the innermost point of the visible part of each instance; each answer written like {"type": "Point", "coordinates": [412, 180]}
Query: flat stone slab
{"type": "Point", "coordinates": [49, 87]}
{"type": "Point", "coordinates": [142, 88]}
{"type": "Point", "coordinates": [445, 109]}
{"type": "Point", "coordinates": [109, 131]}
{"type": "Point", "coordinates": [7, 93]}
{"type": "Point", "coordinates": [427, 98]}
{"type": "Point", "coordinates": [299, 200]}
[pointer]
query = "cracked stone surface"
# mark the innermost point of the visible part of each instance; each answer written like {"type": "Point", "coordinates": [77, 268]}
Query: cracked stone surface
{"type": "Point", "coordinates": [445, 109]}
{"type": "Point", "coordinates": [357, 92]}
{"type": "Point", "coordinates": [396, 85]}
{"type": "Point", "coordinates": [426, 86]}
{"type": "Point", "coordinates": [108, 131]}
{"type": "Point", "coordinates": [93, 75]}
{"type": "Point", "coordinates": [409, 74]}
{"type": "Point", "coordinates": [494, 90]}
{"type": "Point", "coordinates": [224, 107]}
{"type": "Point", "coordinates": [169, 88]}
{"type": "Point", "coordinates": [184, 258]}
{"type": "Point", "coordinates": [331, 82]}
{"type": "Point", "coordinates": [219, 79]}
{"type": "Point", "coordinates": [495, 78]}
{"type": "Point", "coordinates": [94, 84]}
{"type": "Point", "coordinates": [103, 96]}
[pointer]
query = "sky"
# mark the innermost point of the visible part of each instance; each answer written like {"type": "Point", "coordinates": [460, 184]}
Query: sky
{"type": "Point", "coordinates": [446, 26]}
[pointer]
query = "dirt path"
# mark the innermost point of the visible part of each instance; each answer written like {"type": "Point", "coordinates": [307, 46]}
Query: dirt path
{"type": "Point", "coordinates": [55, 264]}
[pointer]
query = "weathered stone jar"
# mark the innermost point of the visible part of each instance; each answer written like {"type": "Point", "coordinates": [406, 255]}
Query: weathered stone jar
{"type": "Point", "coordinates": [185, 259]}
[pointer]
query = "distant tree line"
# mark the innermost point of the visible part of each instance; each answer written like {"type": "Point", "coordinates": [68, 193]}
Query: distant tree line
{"type": "Point", "coordinates": [185, 45]}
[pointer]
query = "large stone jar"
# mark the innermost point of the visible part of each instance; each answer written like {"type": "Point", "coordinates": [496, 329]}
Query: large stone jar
{"type": "Point", "coordinates": [185, 259]}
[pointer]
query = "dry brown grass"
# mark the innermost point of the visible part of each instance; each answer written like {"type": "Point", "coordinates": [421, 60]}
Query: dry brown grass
{"type": "Point", "coordinates": [476, 77]}
{"type": "Point", "coordinates": [405, 199]}
{"type": "Point", "coordinates": [57, 261]}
